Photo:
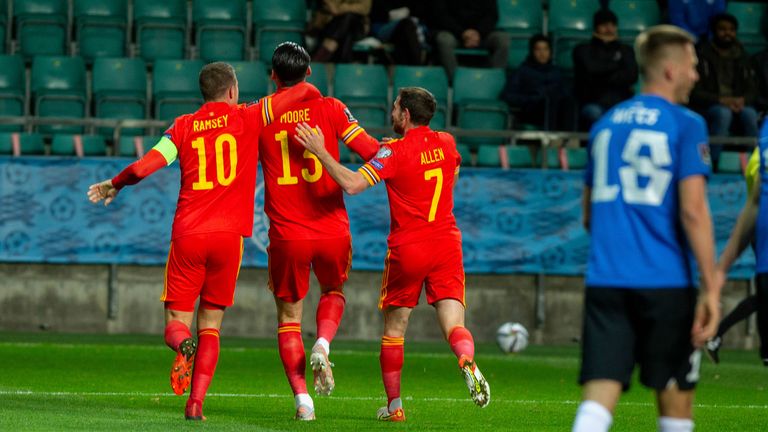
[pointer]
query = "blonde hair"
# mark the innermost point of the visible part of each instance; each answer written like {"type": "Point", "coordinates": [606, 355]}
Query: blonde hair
{"type": "Point", "coordinates": [652, 46]}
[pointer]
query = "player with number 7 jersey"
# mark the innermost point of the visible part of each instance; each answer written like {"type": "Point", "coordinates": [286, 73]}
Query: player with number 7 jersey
{"type": "Point", "coordinates": [217, 149]}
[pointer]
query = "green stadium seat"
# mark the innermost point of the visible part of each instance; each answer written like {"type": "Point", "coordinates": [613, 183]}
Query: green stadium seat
{"type": "Point", "coordinates": [345, 154]}
{"type": "Point", "coordinates": [476, 101]}
{"type": "Point", "coordinates": [135, 146]}
{"type": "Point", "coordinates": [432, 78]}
{"type": "Point", "coordinates": [520, 18]}
{"type": "Point", "coordinates": [319, 77]}
{"type": "Point", "coordinates": [220, 29]}
{"type": "Point", "coordinates": [750, 17]}
{"type": "Point", "coordinates": [465, 153]}
{"type": "Point", "coordinates": [41, 26]}
{"type": "Point", "coordinates": [100, 28]}
{"type": "Point", "coordinates": [7, 144]}
{"type": "Point", "coordinates": [364, 89]}
{"type": "Point", "coordinates": [731, 162]}
{"type": "Point", "coordinates": [519, 156]}
{"type": "Point", "coordinates": [78, 145]}
{"type": "Point", "coordinates": [576, 157]}
{"type": "Point", "coordinates": [252, 80]}
{"type": "Point", "coordinates": [635, 16]}
{"type": "Point", "coordinates": [489, 155]}
{"type": "Point", "coordinates": [120, 91]}
{"type": "Point", "coordinates": [276, 21]}
{"type": "Point", "coordinates": [518, 52]}
{"type": "Point", "coordinates": [12, 89]}
{"type": "Point", "coordinates": [571, 23]}
{"type": "Point", "coordinates": [58, 90]}
{"type": "Point", "coordinates": [175, 88]}
{"type": "Point", "coordinates": [160, 28]}
{"type": "Point", "coordinates": [31, 144]}
{"type": "Point", "coordinates": [552, 157]}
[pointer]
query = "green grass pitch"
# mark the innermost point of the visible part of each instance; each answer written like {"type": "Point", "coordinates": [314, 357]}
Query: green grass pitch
{"type": "Point", "coordinates": [120, 383]}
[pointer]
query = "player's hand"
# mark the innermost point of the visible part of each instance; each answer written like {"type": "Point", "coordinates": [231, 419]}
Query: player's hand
{"type": "Point", "coordinates": [102, 191]}
{"type": "Point", "coordinates": [706, 320]}
{"type": "Point", "coordinates": [311, 138]}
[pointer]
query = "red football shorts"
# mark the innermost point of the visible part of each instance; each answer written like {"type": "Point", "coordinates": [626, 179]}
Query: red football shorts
{"type": "Point", "coordinates": [290, 261]}
{"type": "Point", "coordinates": [205, 266]}
{"type": "Point", "coordinates": [434, 264]}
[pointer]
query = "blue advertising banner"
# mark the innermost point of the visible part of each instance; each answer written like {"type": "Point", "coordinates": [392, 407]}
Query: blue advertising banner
{"type": "Point", "coordinates": [515, 221]}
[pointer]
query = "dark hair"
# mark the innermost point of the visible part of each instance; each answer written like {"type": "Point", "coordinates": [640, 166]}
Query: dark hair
{"type": "Point", "coordinates": [536, 39]}
{"type": "Point", "coordinates": [419, 102]}
{"type": "Point", "coordinates": [603, 16]}
{"type": "Point", "coordinates": [290, 62]}
{"type": "Point", "coordinates": [651, 45]}
{"type": "Point", "coordinates": [717, 18]}
{"type": "Point", "coordinates": [215, 79]}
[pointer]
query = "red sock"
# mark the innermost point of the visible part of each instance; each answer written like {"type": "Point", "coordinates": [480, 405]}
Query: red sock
{"type": "Point", "coordinates": [329, 311]}
{"type": "Point", "coordinates": [292, 355]}
{"type": "Point", "coordinates": [461, 342]}
{"type": "Point", "coordinates": [205, 362]}
{"type": "Point", "coordinates": [175, 333]}
{"type": "Point", "coordinates": [391, 360]}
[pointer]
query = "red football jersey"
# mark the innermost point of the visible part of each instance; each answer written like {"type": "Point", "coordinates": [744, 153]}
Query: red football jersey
{"type": "Point", "coordinates": [301, 200]}
{"type": "Point", "coordinates": [419, 171]}
{"type": "Point", "coordinates": [218, 151]}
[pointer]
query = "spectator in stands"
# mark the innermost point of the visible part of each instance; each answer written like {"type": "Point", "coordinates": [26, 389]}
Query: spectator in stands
{"type": "Point", "coordinates": [604, 69]}
{"type": "Point", "coordinates": [338, 24]}
{"type": "Point", "coordinates": [537, 89]}
{"type": "Point", "coordinates": [727, 87]}
{"type": "Point", "coordinates": [694, 15]}
{"type": "Point", "coordinates": [401, 23]}
{"type": "Point", "coordinates": [468, 24]}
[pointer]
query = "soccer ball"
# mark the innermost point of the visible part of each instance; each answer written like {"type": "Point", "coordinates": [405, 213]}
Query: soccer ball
{"type": "Point", "coordinates": [512, 337]}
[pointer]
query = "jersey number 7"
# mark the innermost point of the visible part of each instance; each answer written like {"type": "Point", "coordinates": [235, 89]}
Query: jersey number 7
{"type": "Point", "coordinates": [436, 173]}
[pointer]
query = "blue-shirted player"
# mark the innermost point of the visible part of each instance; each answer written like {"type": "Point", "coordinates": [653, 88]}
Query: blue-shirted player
{"type": "Point", "coordinates": [753, 224]}
{"type": "Point", "coordinates": [646, 207]}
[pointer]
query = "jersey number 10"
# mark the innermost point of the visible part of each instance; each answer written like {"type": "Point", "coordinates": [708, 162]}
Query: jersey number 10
{"type": "Point", "coordinates": [202, 182]}
{"type": "Point", "coordinates": [650, 167]}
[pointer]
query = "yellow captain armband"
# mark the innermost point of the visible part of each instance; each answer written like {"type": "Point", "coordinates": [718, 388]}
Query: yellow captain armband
{"type": "Point", "coordinates": [752, 170]}
{"type": "Point", "coordinates": [168, 149]}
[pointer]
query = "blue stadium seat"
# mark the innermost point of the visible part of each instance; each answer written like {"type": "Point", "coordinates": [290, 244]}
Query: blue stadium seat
{"type": "Point", "coordinates": [161, 28]}
{"type": "Point", "coordinates": [175, 88]}
{"type": "Point", "coordinates": [41, 26]}
{"type": "Point", "coordinates": [476, 102]}
{"type": "Point", "coordinates": [220, 29]}
{"type": "Point", "coordinates": [432, 78]}
{"type": "Point", "coordinates": [100, 28]}
{"type": "Point", "coordinates": [58, 90]}
{"type": "Point", "coordinates": [120, 91]}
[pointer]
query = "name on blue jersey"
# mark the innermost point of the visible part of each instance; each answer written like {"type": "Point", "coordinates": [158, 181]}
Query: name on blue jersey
{"type": "Point", "coordinates": [636, 115]}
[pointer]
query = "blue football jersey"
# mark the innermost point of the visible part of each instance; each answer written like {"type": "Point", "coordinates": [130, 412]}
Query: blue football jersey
{"type": "Point", "coordinates": [761, 248]}
{"type": "Point", "coordinates": [638, 153]}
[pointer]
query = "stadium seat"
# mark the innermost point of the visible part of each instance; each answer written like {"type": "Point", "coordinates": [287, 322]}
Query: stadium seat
{"type": "Point", "coordinates": [519, 156]}
{"type": "Point", "coordinates": [364, 89]}
{"type": "Point", "coordinates": [432, 78]}
{"type": "Point", "coordinates": [489, 155]}
{"type": "Point", "coordinates": [175, 88]}
{"type": "Point", "coordinates": [161, 30]}
{"type": "Point", "coordinates": [552, 157]}
{"type": "Point", "coordinates": [750, 17]}
{"type": "Point", "coordinates": [12, 89]}
{"type": "Point", "coordinates": [135, 146]}
{"type": "Point", "coordinates": [571, 23]}
{"type": "Point", "coordinates": [518, 51]}
{"type": "Point", "coordinates": [465, 153]}
{"type": "Point", "coordinates": [345, 154]}
{"type": "Point", "coordinates": [252, 80]}
{"type": "Point", "coordinates": [100, 28]}
{"type": "Point", "coordinates": [731, 162]}
{"type": "Point", "coordinates": [520, 18]}
{"type": "Point", "coordinates": [7, 144]}
{"type": "Point", "coordinates": [30, 144]}
{"type": "Point", "coordinates": [120, 91]}
{"type": "Point", "coordinates": [319, 77]}
{"type": "Point", "coordinates": [576, 157]}
{"type": "Point", "coordinates": [3, 25]}
{"type": "Point", "coordinates": [276, 21]}
{"type": "Point", "coordinates": [41, 26]}
{"type": "Point", "coordinates": [635, 16]}
{"type": "Point", "coordinates": [476, 102]}
{"type": "Point", "coordinates": [78, 145]}
{"type": "Point", "coordinates": [220, 29]}
{"type": "Point", "coordinates": [58, 90]}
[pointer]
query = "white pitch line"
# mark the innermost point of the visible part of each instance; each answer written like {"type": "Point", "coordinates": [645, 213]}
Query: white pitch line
{"type": "Point", "coordinates": [353, 398]}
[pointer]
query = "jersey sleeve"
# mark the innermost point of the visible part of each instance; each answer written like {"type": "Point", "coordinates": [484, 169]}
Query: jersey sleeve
{"type": "Point", "coordinates": [694, 148]}
{"type": "Point", "coordinates": [135, 172]}
{"type": "Point", "coordinates": [349, 131]}
{"type": "Point", "coordinates": [175, 133]}
{"type": "Point", "coordinates": [381, 167]}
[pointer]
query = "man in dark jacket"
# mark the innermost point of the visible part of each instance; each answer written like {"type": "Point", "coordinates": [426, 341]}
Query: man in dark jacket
{"type": "Point", "coordinates": [468, 24]}
{"type": "Point", "coordinates": [727, 88]}
{"type": "Point", "coordinates": [605, 69]}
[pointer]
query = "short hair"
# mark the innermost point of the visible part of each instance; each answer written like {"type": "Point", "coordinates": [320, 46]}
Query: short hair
{"type": "Point", "coordinates": [723, 16]}
{"type": "Point", "coordinates": [215, 79]}
{"type": "Point", "coordinates": [290, 62]}
{"type": "Point", "coordinates": [419, 102]}
{"type": "Point", "coordinates": [603, 16]}
{"type": "Point", "coordinates": [651, 46]}
{"type": "Point", "coordinates": [536, 39]}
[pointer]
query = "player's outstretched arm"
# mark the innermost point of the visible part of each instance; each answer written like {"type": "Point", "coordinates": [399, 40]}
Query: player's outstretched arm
{"type": "Point", "coordinates": [313, 140]}
{"type": "Point", "coordinates": [103, 190]}
{"type": "Point", "coordinates": [697, 223]}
